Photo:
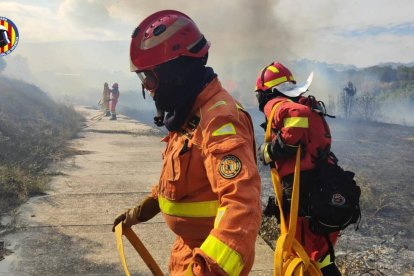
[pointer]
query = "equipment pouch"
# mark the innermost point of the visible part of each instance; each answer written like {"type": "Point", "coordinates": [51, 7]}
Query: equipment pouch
{"type": "Point", "coordinates": [173, 183]}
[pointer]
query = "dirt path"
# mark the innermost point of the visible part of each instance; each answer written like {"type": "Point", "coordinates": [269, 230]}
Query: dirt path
{"type": "Point", "coordinates": [68, 230]}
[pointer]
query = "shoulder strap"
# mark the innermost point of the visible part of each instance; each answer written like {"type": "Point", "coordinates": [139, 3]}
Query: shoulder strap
{"type": "Point", "coordinates": [268, 137]}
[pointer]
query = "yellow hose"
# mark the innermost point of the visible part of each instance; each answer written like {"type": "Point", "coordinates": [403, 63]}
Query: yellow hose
{"type": "Point", "coordinates": [139, 247]}
{"type": "Point", "coordinates": [290, 257]}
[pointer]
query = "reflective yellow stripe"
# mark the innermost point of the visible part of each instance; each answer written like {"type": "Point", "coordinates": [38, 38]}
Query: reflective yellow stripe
{"type": "Point", "coordinates": [199, 209]}
{"type": "Point", "coordinates": [217, 104]}
{"type": "Point", "coordinates": [219, 216]}
{"type": "Point", "coordinates": [326, 261]}
{"type": "Point", "coordinates": [225, 130]}
{"type": "Point", "coordinates": [273, 69]}
{"type": "Point", "coordinates": [6, 48]}
{"type": "Point", "coordinates": [296, 122]}
{"type": "Point", "coordinates": [239, 106]}
{"type": "Point", "coordinates": [189, 270]}
{"type": "Point", "coordinates": [228, 259]}
{"type": "Point", "coordinates": [275, 82]}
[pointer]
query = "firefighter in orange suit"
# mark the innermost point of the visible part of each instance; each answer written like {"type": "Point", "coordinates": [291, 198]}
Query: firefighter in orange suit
{"type": "Point", "coordinates": [209, 188]}
{"type": "Point", "coordinates": [113, 100]}
{"type": "Point", "coordinates": [295, 124]}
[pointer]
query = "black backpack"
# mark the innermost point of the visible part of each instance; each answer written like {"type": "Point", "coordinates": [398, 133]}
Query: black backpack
{"type": "Point", "coordinates": [333, 199]}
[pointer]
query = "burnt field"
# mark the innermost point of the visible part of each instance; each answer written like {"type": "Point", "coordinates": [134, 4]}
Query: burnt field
{"type": "Point", "coordinates": [382, 157]}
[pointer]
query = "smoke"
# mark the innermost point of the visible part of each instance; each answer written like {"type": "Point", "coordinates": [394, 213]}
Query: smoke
{"type": "Point", "coordinates": [78, 45]}
{"type": "Point", "coordinates": [245, 36]}
{"type": "Point", "coordinates": [2, 64]}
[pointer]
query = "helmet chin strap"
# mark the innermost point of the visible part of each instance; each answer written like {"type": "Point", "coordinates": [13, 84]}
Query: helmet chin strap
{"type": "Point", "coordinates": [159, 118]}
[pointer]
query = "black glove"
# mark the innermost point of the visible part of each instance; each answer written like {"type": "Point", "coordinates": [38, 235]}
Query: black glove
{"type": "Point", "coordinates": [272, 209]}
{"type": "Point", "coordinates": [264, 153]}
{"type": "Point", "coordinates": [118, 219]}
{"type": "Point", "coordinates": [158, 121]}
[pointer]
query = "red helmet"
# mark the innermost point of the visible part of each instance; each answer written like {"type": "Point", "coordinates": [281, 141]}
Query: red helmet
{"type": "Point", "coordinates": [163, 36]}
{"type": "Point", "coordinates": [272, 75]}
{"type": "Point", "coordinates": [115, 85]}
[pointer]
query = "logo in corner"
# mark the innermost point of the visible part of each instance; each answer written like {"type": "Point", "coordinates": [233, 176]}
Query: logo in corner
{"type": "Point", "coordinates": [230, 166]}
{"type": "Point", "coordinates": [9, 36]}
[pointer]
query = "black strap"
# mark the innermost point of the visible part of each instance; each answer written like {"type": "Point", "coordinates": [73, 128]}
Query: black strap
{"type": "Point", "coordinates": [191, 126]}
{"type": "Point", "coordinates": [331, 250]}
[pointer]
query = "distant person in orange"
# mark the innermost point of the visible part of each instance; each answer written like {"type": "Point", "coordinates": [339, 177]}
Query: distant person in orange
{"type": "Point", "coordinates": [113, 100]}
{"type": "Point", "coordinates": [104, 101]}
{"type": "Point", "coordinates": [209, 188]}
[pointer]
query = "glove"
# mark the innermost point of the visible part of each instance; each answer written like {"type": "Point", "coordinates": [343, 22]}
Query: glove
{"type": "Point", "coordinates": [158, 121]}
{"type": "Point", "coordinates": [265, 154]}
{"type": "Point", "coordinates": [146, 210]}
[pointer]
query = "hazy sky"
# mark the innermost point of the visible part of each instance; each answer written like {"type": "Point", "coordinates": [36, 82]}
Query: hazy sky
{"type": "Point", "coordinates": [71, 47]}
{"type": "Point", "coordinates": [361, 33]}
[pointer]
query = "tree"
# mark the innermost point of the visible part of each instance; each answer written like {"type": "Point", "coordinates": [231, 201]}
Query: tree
{"type": "Point", "coordinates": [367, 107]}
{"type": "Point", "coordinates": [331, 105]}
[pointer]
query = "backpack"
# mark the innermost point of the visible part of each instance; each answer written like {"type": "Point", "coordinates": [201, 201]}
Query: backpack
{"type": "Point", "coordinates": [333, 199]}
{"type": "Point", "coordinates": [334, 195]}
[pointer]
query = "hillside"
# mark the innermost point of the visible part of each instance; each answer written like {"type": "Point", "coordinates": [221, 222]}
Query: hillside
{"type": "Point", "coordinates": [33, 133]}
{"type": "Point", "coordinates": [384, 93]}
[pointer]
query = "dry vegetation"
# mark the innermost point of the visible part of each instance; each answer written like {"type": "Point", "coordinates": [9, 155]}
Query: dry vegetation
{"type": "Point", "coordinates": [33, 133]}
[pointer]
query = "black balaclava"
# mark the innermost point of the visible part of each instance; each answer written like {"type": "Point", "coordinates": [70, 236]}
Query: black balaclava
{"type": "Point", "coordinates": [179, 82]}
{"type": "Point", "coordinates": [264, 96]}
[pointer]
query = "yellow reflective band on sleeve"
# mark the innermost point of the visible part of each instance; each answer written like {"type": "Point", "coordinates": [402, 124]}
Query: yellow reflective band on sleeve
{"type": "Point", "coordinates": [275, 82]}
{"type": "Point", "coordinates": [296, 122]}
{"type": "Point", "coordinates": [217, 104]}
{"type": "Point", "coordinates": [228, 259]}
{"type": "Point", "coordinates": [201, 209]}
{"type": "Point", "coordinates": [239, 106]}
{"type": "Point", "coordinates": [219, 216]}
{"type": "Point", "coordinates": [226, 129]}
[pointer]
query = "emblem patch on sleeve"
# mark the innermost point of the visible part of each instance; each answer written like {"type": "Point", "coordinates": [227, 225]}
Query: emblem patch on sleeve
{"type": "Point", "coordinates": [230, 166]}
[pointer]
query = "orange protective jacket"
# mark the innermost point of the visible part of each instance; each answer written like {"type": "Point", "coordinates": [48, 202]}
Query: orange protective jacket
{"type": "Point", "coordinates": [298, 124]}
{"type": "Point", "coordinates": [209, 189]}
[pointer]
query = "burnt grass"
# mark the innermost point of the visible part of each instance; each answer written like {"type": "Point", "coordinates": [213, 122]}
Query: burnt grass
{"type": "Point", "coordinates": [382, 157]}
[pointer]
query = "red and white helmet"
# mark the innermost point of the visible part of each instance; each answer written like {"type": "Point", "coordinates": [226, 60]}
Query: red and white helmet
{"type": "Point", "coordinates": [164, 36]}
{"type": "Point", "coordinates": [277, 76]}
